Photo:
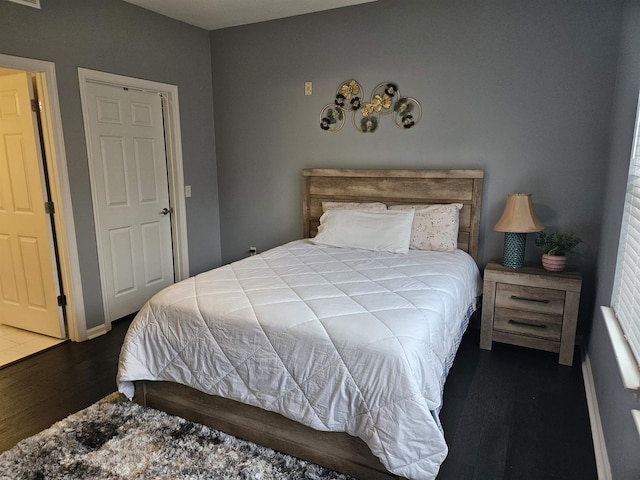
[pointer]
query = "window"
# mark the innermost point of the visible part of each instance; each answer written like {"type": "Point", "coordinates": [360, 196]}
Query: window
{"type": "Point", "coordinates": [626, 290]}
{"type": "Point", "coordinates": [625, 300]}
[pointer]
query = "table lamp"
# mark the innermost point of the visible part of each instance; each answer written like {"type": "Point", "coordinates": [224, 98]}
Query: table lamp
{"type": "Point", "coordinates": [517, 220]}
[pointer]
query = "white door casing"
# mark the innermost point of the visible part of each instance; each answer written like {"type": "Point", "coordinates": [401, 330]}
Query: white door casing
{"type": "Point", "coordinates": [173, 142]}
{"type": "Point", "coordinates": [129, 182]}
{"type": "Point", "coordinates": [29, 287]}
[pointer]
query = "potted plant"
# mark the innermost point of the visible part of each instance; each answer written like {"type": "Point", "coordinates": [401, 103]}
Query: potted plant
{"type": "Point", "coordinates": [555, 247]}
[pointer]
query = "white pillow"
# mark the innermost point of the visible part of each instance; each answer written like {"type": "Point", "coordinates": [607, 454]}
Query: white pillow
{"type": "Point", "coordinates": [435, 227]}
{"type": "Point", "coordinates": [380, 231]}
{"type": "Point", "coordinates": [326, 206]}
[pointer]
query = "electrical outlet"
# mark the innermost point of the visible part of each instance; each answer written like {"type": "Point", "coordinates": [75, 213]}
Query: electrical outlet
{"type": "Point", "coordinates": [187, 191]}
{"type": "Point", "coordinates": [308, 88]}
{"type": "Point", "coordinates": [252, 251]}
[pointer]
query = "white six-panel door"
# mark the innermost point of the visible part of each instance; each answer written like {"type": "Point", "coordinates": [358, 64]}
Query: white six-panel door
{"type": "Point", "coordinates": [28, 277]}
{"type": "Point", "coordinates": [130, 193]}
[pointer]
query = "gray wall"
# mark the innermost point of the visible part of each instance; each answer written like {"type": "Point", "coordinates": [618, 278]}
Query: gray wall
{"type": "Point", "coordinates": [520, 89]}
{"type": "Point", "coordinates": [524, 90]}
{"type": "Point", "coordinates": [615, 403]}
{"type": "Point", "coordinates": [116, 37]}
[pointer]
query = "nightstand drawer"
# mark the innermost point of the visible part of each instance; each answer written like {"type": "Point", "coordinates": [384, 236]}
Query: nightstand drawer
{"type": "Point", "coordinates": [531, 324]}
{"type": "Point", "coordinates": [531, 299]}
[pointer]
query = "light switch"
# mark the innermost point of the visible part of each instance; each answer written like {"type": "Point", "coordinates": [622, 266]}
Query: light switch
{"type": "Point", "coordinates": [308, 88]}
{"type": "Point", "coordinates": [187, 191]}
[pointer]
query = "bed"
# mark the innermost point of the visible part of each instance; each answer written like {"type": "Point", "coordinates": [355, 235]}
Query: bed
{"type": "Point", "coordinates": [334, 355]}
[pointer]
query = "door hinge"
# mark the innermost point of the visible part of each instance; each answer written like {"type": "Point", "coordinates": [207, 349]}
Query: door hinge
{"type": "Point", "coordinates": [34, 105]}
{"type": "Point", "coordinates": [49, 209]}
{"type": "Point", "coordinates": [62, 300]}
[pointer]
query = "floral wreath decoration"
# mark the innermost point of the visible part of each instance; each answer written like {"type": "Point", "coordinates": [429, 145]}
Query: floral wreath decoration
{"type": "Point", "coordinates": [385, 99]}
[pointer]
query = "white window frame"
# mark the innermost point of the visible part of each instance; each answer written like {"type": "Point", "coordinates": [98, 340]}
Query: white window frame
{"type": "Point", "coordinates": [623, 317]}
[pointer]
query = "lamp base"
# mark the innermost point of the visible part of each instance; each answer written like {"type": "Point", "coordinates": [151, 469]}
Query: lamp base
{"type": "Point", "coordinates": [513, 256]}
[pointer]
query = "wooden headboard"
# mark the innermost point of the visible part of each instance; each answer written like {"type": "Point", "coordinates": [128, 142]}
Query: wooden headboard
{"type": "Point", "coordinates": [395, 187]}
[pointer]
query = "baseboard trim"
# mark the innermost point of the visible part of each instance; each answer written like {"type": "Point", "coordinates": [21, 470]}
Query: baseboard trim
{"type": "Point", "coordinates": [599, 446]}
{"type": "Point", "coordinates": [96, 332]}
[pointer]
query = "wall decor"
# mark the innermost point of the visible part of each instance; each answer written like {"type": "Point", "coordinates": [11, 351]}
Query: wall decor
{"type": "Point", "coordinates": [385, 100]}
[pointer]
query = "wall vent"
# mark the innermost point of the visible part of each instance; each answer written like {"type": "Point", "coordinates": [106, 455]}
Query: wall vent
{"type": "Point", "coordinates": [30, 3]}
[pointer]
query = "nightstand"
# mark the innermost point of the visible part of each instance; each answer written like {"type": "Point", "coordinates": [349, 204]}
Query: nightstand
{"type": "Point", "coordinates": [530, 307]}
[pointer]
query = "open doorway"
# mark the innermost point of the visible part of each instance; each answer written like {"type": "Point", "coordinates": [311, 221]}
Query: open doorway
{"type": "Point", "coordinates": [31, 293]}
{"type": "Point", "coordinates": [52, 164]}
{"type": "Point", "coordinates": [32, 310]}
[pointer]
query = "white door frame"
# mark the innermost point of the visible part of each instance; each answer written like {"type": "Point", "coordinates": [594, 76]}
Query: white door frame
{"type": "Point", "coordinates": [174, 165]}
{"type": "Point", "coordinates": [60, 191]}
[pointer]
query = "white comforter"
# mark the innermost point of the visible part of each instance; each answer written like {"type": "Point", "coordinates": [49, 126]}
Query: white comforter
{"type": "Point", "coordinates": [337, 339]}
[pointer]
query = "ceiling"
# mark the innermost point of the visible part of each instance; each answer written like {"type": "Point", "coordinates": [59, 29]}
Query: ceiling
{"type": "Point", "coordinates": [215, 14]}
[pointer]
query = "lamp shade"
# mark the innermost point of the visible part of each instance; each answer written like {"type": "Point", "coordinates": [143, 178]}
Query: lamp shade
{"type": "Point", "coordinates": [518, 215]}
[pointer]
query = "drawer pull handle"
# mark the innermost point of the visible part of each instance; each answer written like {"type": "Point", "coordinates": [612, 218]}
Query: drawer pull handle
{"type": "Point", "coordinates": [525, 299]}
{"type": "Point", "coordinates": [526, 324]}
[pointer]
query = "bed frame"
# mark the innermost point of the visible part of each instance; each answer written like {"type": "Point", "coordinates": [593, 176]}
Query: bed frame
{"type": "Point", "coordinates": [395, 187]}
{"type": "Point", "coordinates": [335, 450]}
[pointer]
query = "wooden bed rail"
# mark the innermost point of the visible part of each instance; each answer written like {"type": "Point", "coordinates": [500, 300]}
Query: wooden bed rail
{"type": "Point", "coordinates": [334, 450]}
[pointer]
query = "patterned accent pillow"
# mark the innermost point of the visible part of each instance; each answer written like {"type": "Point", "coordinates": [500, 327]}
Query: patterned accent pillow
{"type": "Point", "coordinates": [435, 227]}
{"type": "Point", "coordinates": [377, 206]}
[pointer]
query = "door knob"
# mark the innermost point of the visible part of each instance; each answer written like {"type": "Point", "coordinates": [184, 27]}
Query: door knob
{"type": "Point", "coordinates": [165, 211]}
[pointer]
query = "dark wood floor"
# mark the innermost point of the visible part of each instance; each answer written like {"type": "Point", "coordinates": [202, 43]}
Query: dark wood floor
{"type": "Point", "coordinates": [47, 387]}
{"type": "Point", "coordinates": [514, 413]}
{"type": "Point", "coordinates": [511, 413]}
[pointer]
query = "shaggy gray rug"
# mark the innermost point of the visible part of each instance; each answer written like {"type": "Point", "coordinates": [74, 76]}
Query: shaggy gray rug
{"type": "Point", "coordinates": [116, 439]}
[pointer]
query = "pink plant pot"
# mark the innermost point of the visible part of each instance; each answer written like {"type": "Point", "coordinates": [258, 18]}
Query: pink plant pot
{"type": "Point", "coordinates": [554, 263]}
